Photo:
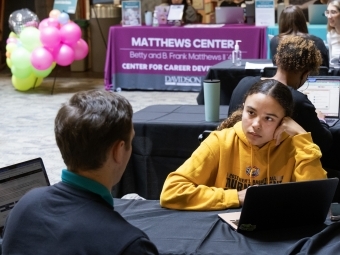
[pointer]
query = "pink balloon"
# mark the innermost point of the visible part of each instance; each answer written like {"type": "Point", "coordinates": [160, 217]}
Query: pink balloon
{"type": "Point", "coordinates": [49, 22]}
{"type": "Point", "coordinates": [11, 40]}
{"type": "Point", "coordinates": [52, 22]}
{"type": "Point", "coordinates": [70, 33]}
{"type": "Point", "coordinates": [43, 24]}
{"type": "Point", "coordinates": [50, 36]}
{"type": "Point", "coordinates": [41, 58]}
{"type": "Point", "coordinates": [65, 55]}
{"type": "Point", "coordinates": [54, 51]}
{"type": "Point", "coordinates": [80, 49]}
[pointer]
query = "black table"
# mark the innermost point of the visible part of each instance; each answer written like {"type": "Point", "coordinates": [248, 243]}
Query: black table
{"type": "Point", "coordinates": [229, 76]}
{"type": "Point", "coordinates": [165, 136]}
{"type": "Point", "coordinates": [197, 232]}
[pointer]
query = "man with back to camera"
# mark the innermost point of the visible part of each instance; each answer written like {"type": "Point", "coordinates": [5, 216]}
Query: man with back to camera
{"type": "Point", "coordinates": [93, 131]}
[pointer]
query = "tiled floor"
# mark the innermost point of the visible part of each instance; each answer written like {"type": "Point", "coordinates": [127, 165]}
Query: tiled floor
{"type": "Point", "coordinates": [27, 118]}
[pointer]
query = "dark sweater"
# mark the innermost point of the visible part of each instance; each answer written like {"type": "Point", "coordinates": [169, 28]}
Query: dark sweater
{"type": "Point", "coordinates": [303, 113]}
{"type": "Point", "coordinates": [274, 42]}
{"type": "Point", "coordinates": [61, 219]}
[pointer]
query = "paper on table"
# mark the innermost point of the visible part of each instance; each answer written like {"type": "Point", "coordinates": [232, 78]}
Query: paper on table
{"type": "Point", "coordinates": [204, 25]}
{"type": "Point", "coordinates": [257, 65]}
{"type": "Point", "coordinates": [176, 12]}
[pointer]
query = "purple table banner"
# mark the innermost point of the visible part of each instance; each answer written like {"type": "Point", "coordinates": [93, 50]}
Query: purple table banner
{"type": "Point", "coordinates": [175, 58]}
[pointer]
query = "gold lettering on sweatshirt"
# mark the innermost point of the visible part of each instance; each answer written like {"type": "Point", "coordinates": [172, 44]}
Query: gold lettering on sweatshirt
{"type": "Point", "coordinates": [235, 182]}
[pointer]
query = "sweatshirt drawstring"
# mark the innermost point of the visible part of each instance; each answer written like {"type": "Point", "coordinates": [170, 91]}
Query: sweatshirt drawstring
{"type": "Point", "coordinates": [253, 168]}
{"type": "Point", "coordinates": [251, 165]}
{"type": "Point", "coordinates": [268, 154]}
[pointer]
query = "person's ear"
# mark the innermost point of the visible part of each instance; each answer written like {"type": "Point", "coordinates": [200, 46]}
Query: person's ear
{"type": "Point", "coordinates": [306, 74]}
{"type": "Point", "coordinates": [118, 150]}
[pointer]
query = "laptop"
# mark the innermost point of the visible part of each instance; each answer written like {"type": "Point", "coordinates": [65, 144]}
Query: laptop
{"type": "Point", "coordinates": [324, 93]}
{"type": "Point", "coordinates": [274, 206]}
{"type": "Point", "coordinates": [16, 180]}
{"type": "Point", "coordinates": [229, 15]}
{"type": "Point", "coordinates": [316, 13]}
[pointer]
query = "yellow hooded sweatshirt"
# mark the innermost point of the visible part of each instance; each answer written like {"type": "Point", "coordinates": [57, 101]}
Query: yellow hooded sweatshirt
{"type": "Point", "coordinates": [226, 162]}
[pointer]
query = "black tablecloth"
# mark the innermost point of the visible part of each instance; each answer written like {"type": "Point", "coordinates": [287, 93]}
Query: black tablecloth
{"type": "Point", "coordinates": [196, 232]}
{"type": "Point", "coordinates": [229, 76]}
{"type": "Point", "coordinates": [165, 136]}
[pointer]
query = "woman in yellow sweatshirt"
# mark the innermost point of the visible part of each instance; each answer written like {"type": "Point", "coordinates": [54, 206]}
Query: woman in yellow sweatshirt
{"type": "Point", "coordinates": [266, 146]}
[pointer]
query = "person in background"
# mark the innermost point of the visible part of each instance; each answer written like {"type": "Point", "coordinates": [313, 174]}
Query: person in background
{"type": "Point", "coordinates": [190, 15]}
{"type": "Point", "coordinates": [258, 144]}
{"type": "Point", "coordinates": [93, 131]}
{"type": "Point", "coordinates": [296, 58]}
{"type": "Point", "coordinates": [292, 22]}
{"type": "Point", "coordinates": [333, 35]}
{"type": "Point", "coordinates": [231, 3]}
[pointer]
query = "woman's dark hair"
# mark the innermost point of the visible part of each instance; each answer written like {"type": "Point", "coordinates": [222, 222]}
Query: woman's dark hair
{"type": "Point", "coordinates": [292, 21]}
{"type": "Point", "coordinates": [269, 87]}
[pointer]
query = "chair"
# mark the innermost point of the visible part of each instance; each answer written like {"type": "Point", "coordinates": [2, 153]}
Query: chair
{"type": "Point", "coordinates": [268, 71]}
{"type": "Point", "coordinates": [270, 37]}
{"type": "Point", "coordinates": [204, 135]}
{"type": "Point", "coordinates": [324, 71]}
{"type": "Point", "coordinates": [271, 71]}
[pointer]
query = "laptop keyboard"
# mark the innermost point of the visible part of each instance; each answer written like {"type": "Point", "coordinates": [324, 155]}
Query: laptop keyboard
{"type": "Point", "coordinates": [330, 121]}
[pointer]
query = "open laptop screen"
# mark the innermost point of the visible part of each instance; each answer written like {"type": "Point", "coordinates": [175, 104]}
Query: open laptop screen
{"type": "Point", "coordinates": [229, 15]}
{"type": "Point", "coordinates": [316, 14]}
{"type": "Point", "coordinates": [324, 94]}
{"type": "Point", "coordinates": [284, 205]}
{"type": "Point", "coordinates": [16, 180]}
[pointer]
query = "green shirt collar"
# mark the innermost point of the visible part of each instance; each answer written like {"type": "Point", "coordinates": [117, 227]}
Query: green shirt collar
{"type": "Point", "coordinates": [84, 183]}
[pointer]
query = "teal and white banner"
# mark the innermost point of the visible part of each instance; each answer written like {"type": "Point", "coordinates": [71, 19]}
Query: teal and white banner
{"type": "Point", "coordinates": [264, 13]}
{"type": "Point", "coordinates": [68, 6]}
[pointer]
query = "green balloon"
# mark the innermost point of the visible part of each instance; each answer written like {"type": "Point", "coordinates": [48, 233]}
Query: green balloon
{"type": "Point", "coordinates": [27, 83]}
{"type": "Point", "coordinates": [38, 81]}
{"type": "Point", "coordinates": [23, 84]}
{"type": "Point", "coordinates": [10, 47]}
{"type": "Point", "coordinates": [21, 73]}
{"type": "Point", "coordinates": [21, 58]}
{"type": "Point", "coordinates": [12, 34]}
{"type": "Point", "coordinates": [30, 38]}
{"type": "Point", "coordinates": [43, 73]}
{"type": "Point", "coordinates": [9, 62]}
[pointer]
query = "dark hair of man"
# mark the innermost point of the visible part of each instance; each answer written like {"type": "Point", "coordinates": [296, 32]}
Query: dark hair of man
{"type": "Point", "coordinates": [269, 87]}
{"type": "Point", "coordinates": [292, 21]}
{"type": "Point", "coordinates": [89, 124]}
{"type": "Point", "coordinates": [336, 4]}
{"type": "Point", "coordinates": [298, 54]}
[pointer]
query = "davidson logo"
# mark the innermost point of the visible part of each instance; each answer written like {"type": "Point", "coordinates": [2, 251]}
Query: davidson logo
{"type": "Point", "coordinates": [183, 80]}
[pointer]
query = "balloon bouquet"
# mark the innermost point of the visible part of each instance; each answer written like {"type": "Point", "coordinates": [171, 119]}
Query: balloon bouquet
{"type": "Point", "coordinates": [33, 49]}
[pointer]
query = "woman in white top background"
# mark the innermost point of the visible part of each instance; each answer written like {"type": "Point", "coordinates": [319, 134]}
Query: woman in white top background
{"type": "Point", "coordinates": [333, 28]}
